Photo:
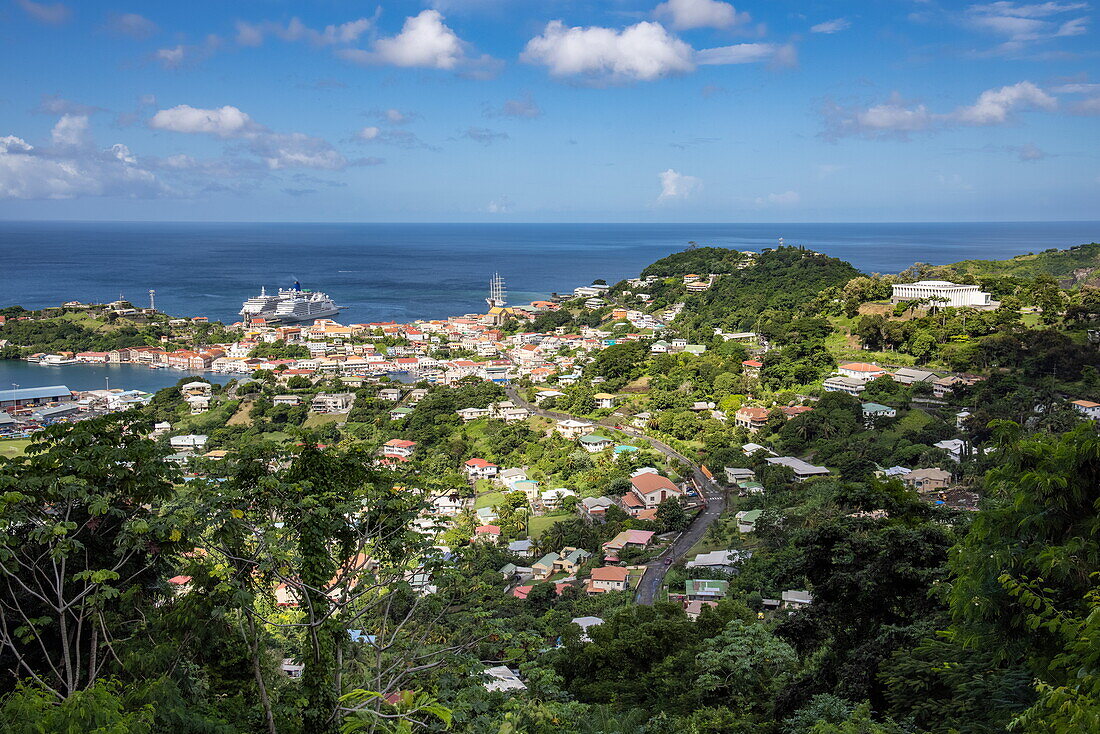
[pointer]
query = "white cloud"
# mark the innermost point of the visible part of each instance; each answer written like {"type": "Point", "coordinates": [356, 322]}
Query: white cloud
{"type": "Point", "coordinates": [787, 198]}
{"type": "Point", "coordinates": [131, 24]}
{"type": "Point", "coordinates": [170, 58]}
{"type": "Point", "coordinates": [831, 26]}
{"type": "Point", "coordinates": [641, 52]}
{"type": "Point", "coordinates": [676, 185]}
{"type": "Point", "coordinates": [500, 205]}
{"type": "Point", "coordinates": [253, 34]}
{"type": "Point", "coordinates": [297, 150]}
{"type": "Point", "coordinates": [1023, 25]}
{"type": "Point", "coordinates": [424, 41]}
{"type": "Point", "coordinates": [396, 117]}
{"type": "Point", "coordinates": [223, 122]}
{"type": "Point", "coordinates": [686, 14]}
{"type": "Point", "coordinates": [1090, 105]}
{"type": "Point", "coordinates": [897, 118]}
{"type": "Point", "coordinates": [51, 14]}
{"type": "Point", "coordinates": [27, 172]}
{"type": "Point", "coordinates": [275, 150]}
{"type": "Point", "coordinates": [749, 53]}
{"type": "Point", "coordinates": [175, 57]}
{"type": "Point", "coordinates": [396, 138]}
{"type": "Point", "coordinates": [994, 105]}
{"type": "Point", "coordinates": [71, 130]}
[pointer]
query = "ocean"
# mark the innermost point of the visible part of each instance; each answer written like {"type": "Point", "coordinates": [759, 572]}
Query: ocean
{"type": "Point", "coordinates": [384, 272]}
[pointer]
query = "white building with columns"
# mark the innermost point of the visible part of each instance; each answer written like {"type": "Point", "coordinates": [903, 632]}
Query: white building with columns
{"type": "Point", "coordinates": [947, 294]}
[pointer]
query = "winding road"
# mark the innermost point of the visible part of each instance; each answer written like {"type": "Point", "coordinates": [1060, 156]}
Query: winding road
{"type": "Point", "coordinates": [715, 499]}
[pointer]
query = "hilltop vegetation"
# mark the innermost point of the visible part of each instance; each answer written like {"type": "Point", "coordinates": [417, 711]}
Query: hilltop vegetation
{"type": "Point", "coordinates": [1076, 265]}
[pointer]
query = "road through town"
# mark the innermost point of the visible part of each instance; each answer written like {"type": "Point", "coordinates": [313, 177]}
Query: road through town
{"type": "Point", "coordinates": [655, 571]}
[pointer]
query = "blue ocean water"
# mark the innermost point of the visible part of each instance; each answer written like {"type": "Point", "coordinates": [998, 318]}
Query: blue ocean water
{"type": "Point", "coordinates": [384, 272]}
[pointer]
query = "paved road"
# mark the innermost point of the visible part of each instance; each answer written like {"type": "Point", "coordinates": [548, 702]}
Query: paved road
{"type": "Point", "coordinates": [716, 502]}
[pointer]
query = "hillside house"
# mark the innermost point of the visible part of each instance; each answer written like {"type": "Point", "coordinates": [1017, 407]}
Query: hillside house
{"type": "Point", "coordinates": [861, 371]}
{"type": "Point", "coordinates": [572, 430]}
{"type": "Point", "coordinates": [849, 385]}
{"type": "Point", "coordinates": [607, 578]}
{"type": "Point", "coordinates": [480, 469]}
{"type": "Point", "coordinates": [927, 480]}
{"type": "Point", "coordinates": [751, 418]}
{"type": "Point", "coordinates": [338, 402]}
{"type": "Point", "coordinates": [399, 448]}
{"type": "Point", "coordinates": [803, 470]}
{"type": "Point", "coordinates": [653, 489]}
{"type": "Point", "coordinates": [595, 443]}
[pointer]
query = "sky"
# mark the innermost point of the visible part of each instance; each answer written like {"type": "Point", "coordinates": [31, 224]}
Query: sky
{"type": "Point", "coordinates": [549, 111]}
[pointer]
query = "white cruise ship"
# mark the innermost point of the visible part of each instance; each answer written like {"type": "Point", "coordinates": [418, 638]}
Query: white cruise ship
{"type": "Point", "coordinates": [291, 305]}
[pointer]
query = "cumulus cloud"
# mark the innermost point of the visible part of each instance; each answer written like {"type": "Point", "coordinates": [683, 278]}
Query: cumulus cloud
{"type": "Point", "coordinates": [275, 150]}
{"type": "Point", "coordinates": [72, 167]}
{"type": "Point", "coordinates": [483, 135]}
{"type": "Point", "coordinates": [253, 34]}
{"type": "Point", "coordinates": [222, 122]}
{"type": "Point", "coordinates": [131, 25]}
{"type": "Point", "coordinates": [70, 130]}
{"type": "Point", "coordinates": [787, 198]}
{"type": "Point", "coordinates": [677, 186]}
{"type": "Point", "coordinates": [641, 52]}
{"type": "Point", "coordinates": [898, 118]}
{"type": "Point", "coordinates": [425, 41]}
{"type": "Point", "coordinates": [49, 13]}
{"type": "Point", "coordinates": [831, 26]}
{"type": "Point", "coordinates": [994, 105]}
{"type": "Point", "coordinates": [524, 107]}
{"type": "Point", "coordinates": [500, 205]}
{"type": "Point", "coordinates": [686, 14]}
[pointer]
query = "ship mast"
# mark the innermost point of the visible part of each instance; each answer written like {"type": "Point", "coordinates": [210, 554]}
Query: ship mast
{"type": "Point", "coordinates": [496, 292]}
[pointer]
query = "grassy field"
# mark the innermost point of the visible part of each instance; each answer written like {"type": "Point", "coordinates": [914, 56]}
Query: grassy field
{"type": "Point", "coordinates": [539, 525]}
{"type": "Point", "coordinates": [242, 417]}
{"type": "Point", "coordinates": [488, 499]}
{"type": "Point", "coordinates": [320, 419]}
{"type": "Point", "coordinates": [13, 447]}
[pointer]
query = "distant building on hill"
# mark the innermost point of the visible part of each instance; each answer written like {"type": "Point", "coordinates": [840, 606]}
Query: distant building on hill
{"type": "Point", "coordinates": [946, 293]}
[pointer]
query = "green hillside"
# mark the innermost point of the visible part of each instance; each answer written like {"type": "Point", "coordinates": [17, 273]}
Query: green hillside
{"type": "Point", "coordinates": [1075, 266]}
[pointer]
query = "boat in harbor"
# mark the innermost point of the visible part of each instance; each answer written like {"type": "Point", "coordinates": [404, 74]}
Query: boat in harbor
{"type": "Point", "coordinates": [289, 306]}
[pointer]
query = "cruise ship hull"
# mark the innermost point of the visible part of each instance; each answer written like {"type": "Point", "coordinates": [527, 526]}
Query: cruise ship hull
{"type": "Point", "coordinates": [297, 318]}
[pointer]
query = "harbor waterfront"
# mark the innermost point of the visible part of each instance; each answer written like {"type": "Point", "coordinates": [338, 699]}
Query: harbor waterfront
{"type": "Point", "coordinates": [95, 376]}
{"type": "Point", "coordinates": [403, 272]}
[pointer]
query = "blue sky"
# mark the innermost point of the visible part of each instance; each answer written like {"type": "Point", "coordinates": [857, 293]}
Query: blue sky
{"type": "Point", "coordinates": [549, 110]}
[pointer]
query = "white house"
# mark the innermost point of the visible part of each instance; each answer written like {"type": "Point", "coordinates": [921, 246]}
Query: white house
{"type": "Point", "coordinates": [1087, 408]}
{"type": "Point", "coordinates": [481, 469]}
{"type": "Point", "coordinates": [552, 498]}
{"type": "Point", "coordinates": [860, 370]}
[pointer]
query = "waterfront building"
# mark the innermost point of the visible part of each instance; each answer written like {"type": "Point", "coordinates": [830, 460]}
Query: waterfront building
{"type": "Point", "coordinates": [28, 396]}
